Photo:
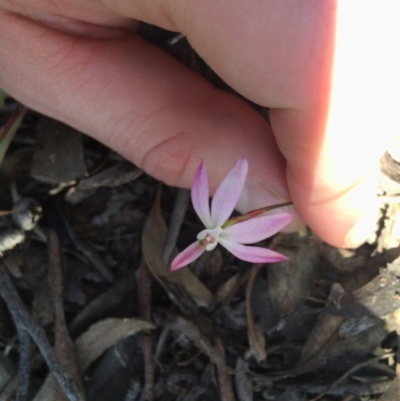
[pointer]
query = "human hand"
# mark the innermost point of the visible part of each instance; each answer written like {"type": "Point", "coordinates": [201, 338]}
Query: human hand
{"type": "Point", "coordinates": [327, 69]}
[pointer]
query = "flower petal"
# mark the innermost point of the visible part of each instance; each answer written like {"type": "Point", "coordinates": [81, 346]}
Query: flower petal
{"type": "Point", "coordinates": [187, 256]}
{"type": "Point", "coordinates": [201, 196]}
{"type": "Point", "coordinates": [252, 254]}
{"type": "Point", "coordinates": [257, 229]}
{"type": "Point", "coordinates": [228, 192]}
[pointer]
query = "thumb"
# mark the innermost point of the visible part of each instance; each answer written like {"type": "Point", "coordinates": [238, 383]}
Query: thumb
{"type": "Point", "coordinates": [333, 148]}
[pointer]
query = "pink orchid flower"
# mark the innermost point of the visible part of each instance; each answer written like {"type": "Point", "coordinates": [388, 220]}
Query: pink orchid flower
{"type": "Point", "coordinates": [231, 234]}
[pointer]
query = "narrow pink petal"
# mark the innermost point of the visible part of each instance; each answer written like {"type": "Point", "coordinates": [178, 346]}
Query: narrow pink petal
{"type": "Point", "coordinates": [252, 254]}
{"type": "Point", "coordinates": [228, 192]}
{"type": "Point", "coordinates": [257, 229]}
{"type": "Point", "coordinates": [200, 195]}
{"type": "Point", "coordinates": [187, 256]}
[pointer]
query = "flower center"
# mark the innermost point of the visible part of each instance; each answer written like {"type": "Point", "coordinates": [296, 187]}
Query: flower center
{"type": "Point", "coordinates": [209, 238]}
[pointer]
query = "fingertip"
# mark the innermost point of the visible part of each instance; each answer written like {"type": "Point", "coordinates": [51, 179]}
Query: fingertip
{"type": "Point", "coordinates": [362, 228]}
{"type": "Point", "coordinates": [343, 218]}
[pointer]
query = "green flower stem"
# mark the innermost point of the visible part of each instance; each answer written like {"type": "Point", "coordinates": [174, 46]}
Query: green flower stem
{"type": "Point", "coordinates": [253, 213]}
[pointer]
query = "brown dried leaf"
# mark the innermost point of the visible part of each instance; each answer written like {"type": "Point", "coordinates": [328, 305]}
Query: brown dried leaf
{"type": "Point", "coordinates": [177, 284]}
{"type": "Point", "coordinates": [390, 167]}
{"type": "Point", "coordinates": [48, 389]}
{"type": "Point", "coordinates": [328, 342]}
{"type": "Point", "coordinates": [118, 175]}
{"type": "Point", "coordinates": [290, 281]}
{"type": "Point", "coordinates": [325, 347]}
{"type": "Point", "coordinates": [94, 342]}
{"type": "Point", "coordinates": [61, 156]}
{"type": "Point", "coordinates": [381, 295]}
{"type": "Point", "coordinates": [105, 302]}
{"type": "Point", "coordinates": [369, 270]}
{"type": "Point", "coordinates": [102, 335]}
{"type": "Point", "coordinates": [226, 288]}
{"type": "Point", "coordinates": [322, 335]}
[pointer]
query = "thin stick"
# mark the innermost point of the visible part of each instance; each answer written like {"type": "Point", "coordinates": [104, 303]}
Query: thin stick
{"type": "Point", "coordinates": [24, 364]}
{"type": "Point", "coordinates": [254, 334]}
{"type": "Point", "coordinates": [224, 378]}
{"type": "Point", "coordinates": [255, 337]}
{"type": "Point", "coordinates": [63, 345]}
{"type": "Point", "coordinates": [144, 290]}
{"type": "Point", "coordinates": [24, 320]}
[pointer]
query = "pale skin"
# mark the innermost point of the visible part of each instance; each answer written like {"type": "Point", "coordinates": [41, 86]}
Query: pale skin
{"type": "Point", "coordinates": [327, 69]}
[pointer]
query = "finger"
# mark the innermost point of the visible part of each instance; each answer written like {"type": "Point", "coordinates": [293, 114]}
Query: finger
{"type": "Point", "coordinates": [139, 101]}
{"type": "Point", "coordinates": [67, 14]}
{"type": "Point", "coordinates": [321, 68]}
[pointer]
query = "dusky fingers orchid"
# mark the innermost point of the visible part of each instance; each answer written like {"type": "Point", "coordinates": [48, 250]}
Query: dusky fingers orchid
{"type": "Point", "coordinates": [232, 234]}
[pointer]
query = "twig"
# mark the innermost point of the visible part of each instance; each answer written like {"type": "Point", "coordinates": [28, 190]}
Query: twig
{"type": "Point", "coordinates": [144, 288]}
{"type": "Point", "coordinates": [24, 364]}
{"type": "Point", "coordinates": [255, 337]}
{"type": "Point", "coordinates": [6, 212]}
{"type": "Point", "coordinates": [349, 372]}
{"type": "Point", "coordinates": [24, 320]}
{"type": "Point", "coordinates": [245, 277]}
{"type": "Point", "coordinates": [118, 175]}
{"type": "Point", "coordinates": [224, 378]}
{"type": "Point", "coordinates": [64, 347]}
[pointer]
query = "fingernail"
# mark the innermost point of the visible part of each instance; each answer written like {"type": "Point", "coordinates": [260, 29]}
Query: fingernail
{"type": "Point", "coordinates": [363, 228]}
